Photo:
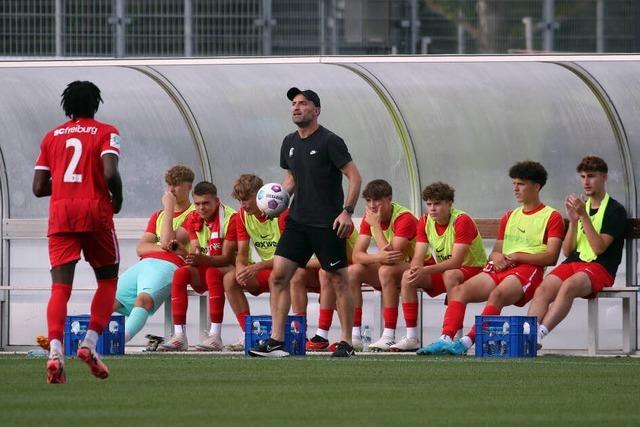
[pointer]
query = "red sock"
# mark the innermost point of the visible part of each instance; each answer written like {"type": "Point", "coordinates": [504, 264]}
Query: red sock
{"type": "Point", "coordinates": [102, 304]}
{"type": "Point", "coordinates": [390, 315]}
{"type": "Point", "coordinates": [325, 318]}
{"type": "Point", "coordinates": [453, 318]}
{"type": "Point", "coordinates": [357, 316]}
{"type": "Point", "coordinates": [216, 294]}
{"type": "Point", "coordinates": [57, 310]}
{"type": "Point", "coordinates": [241, 318]}
{"type": "Point", "coordinates": [179, 299]}
{"type": "Point", "coordinates": [489, 310]}
{"type": "Point", "coordinates": [410, 311]}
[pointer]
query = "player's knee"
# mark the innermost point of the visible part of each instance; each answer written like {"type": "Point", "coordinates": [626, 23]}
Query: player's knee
{"type": "Point", "coordinates": [145, 301]}
{"type": "Point", "coordinates": [451, 278]}
{"type": "Point", "coordinates": [107, 272]}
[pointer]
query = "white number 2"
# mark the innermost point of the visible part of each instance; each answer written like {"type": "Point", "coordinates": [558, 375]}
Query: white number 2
{"type": "Point", "coordinates": [69, 175]}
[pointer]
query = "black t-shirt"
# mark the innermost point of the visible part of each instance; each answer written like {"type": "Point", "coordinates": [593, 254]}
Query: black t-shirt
{"type": "Point", "coordinates": [315, 163]}
{"type": "Point", "coordinates": [614, 224]}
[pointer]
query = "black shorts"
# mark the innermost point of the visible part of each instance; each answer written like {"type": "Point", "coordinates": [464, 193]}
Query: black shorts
{"type": "Point", "coordinates": [299, 242]}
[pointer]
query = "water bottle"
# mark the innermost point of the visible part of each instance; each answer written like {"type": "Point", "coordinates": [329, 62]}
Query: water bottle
{"type": "Point", "coordinates": [504, 342]}
{"type": "Point", "coordinates": [491, 343]}
{"type": "Point", "coordinates": [366, 338]}
{"type": "Point", "coordinates": [526, 330]}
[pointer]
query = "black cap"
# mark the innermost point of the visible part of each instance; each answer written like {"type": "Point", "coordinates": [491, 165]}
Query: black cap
{"type": "Point", "coordinates": [308, 93]}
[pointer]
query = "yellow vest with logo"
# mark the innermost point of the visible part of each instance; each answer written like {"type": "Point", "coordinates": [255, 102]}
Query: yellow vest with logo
{"type": "Point", "coordinates": [204, 234]}
{"type": "Point", "coordinates": [582, 244]}
{"type": "Point", "coordinates": [525, 233]}
{"type": "Point", "coordinates": [264, 235]}
{"type": "Point", "coordinates": [177, 222]}
{"type": "Point", "coordinates": [443, 245]}
{"type": "Point", "coordinates": [396, 211]}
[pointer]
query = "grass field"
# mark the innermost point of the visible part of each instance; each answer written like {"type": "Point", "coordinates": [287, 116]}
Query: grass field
{"type": "Point", "coordinates": [193, 390]}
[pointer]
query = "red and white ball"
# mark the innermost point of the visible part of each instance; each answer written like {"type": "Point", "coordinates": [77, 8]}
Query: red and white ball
{"type": "Point", "coordinates": [272, 199]}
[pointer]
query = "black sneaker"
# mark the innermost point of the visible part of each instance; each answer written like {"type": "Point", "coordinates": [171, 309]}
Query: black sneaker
{"type": "Point", "coordinates": [344, 349]}
{"type": "Point", "coordinates": [269, 348]}
{"type": "Point", "coordinates": [154, 342]}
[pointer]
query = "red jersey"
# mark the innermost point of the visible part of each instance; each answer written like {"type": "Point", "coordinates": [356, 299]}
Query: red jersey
{"type": "Point", "coordinates": [464, 228]}
{"type": "Point", "coordinates": [194, 224]}
{"type": "Point", "coordinates": [72, 152]}
{"type": "Point", "coordinates": [404, 226]}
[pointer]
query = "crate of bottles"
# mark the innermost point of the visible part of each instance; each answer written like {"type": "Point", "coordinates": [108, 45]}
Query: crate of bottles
{"type": "Point", "coordinates": [506, 336]}
{"type": "Point", "coordinates": [110, 342]}
{"type": "Point", "coordinates": [258, 329]}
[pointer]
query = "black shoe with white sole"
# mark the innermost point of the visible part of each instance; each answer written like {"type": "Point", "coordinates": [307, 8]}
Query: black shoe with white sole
{"type": "Point", "coordinates": [344, 349]}
{"type": "Point", "coordinates": [269, 348]}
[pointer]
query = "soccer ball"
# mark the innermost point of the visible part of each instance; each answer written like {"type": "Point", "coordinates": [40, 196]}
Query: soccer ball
{"type": "Point", "coordinates": [272, 199]}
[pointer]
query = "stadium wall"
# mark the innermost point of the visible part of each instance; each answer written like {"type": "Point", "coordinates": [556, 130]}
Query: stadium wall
{"type": "Point", "coordinates": [410, 120]}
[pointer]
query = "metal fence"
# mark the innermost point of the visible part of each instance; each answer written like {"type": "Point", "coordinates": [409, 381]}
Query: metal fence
{"type": "Point", "coordinates": [119, 28]}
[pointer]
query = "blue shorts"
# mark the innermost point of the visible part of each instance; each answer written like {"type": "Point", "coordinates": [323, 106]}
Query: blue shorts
{"type": "Point", "coordinates": [150, 276]}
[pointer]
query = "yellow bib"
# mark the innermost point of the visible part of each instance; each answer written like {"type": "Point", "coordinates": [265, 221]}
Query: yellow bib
{"type": "Point", "coordinates": [204, 234]}
{"type": "Point", "coordinates": [443, 245]}
{"type": "Point", "coordinates": [264, 235]}
{"type": "Point", "coordinates": [177, 222]}
{"type": "Point", "coordinates": [582, 244]}
{"type": "Point", "coordinates": [525, 233]}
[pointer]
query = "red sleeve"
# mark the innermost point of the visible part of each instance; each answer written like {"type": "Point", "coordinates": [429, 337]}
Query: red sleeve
{"type": "Point", "coordinates": [405, 226]}
{"type": "Point", "coordinates": [503, 225]}
{"type": "Point", "coordinates": [241, 229]}
{"type": "Point", "coordinates": [465, 230]}
{"type": "Point", "coordinates": [232, 229]}
{"type": "Point", "coordinates": [42, 162]}
{"type": "Point", "coordinates": [111, 141]}
{"type": "Point", "coordinates": [365, 228]}
{"type": "Point", "coordinates": [282, 219]}
{"type": "Point", "coordinates": [421, 234]}
{"type": "Point", "coordinates": [188, 225]}
{"type": "Point", "coordinates": [151, 225]}
{"type": "Point", "coordinates": [555, 227]}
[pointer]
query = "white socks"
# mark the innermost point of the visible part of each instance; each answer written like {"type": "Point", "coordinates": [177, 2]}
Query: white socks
{"type": "Point", "coordinates": [389, 333]}
{"type": "Point", "coordinates": [216, 328]}
{"type": "Point", "coordinates": [412, 332]}
{"type": "Point", "coordinates": [90, 340]}
{"type": "Point", "coordinates": [466, 341]}
{"type": "Point", "coordinates": [322, 333]}
{"type": "Point", "coordinates": [355, 332]}
{"type": "Point", "coordinates": [179, 329]}
{"type": "Point", "coordinates": [55, 348]}
{"type": "Point", "coordinates": [542, 332]}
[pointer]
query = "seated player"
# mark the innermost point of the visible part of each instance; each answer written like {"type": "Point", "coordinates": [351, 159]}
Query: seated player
{"type": "Point", "coordinates": [459, 255]}
{"type": "Point", "coordinates": [393, 229]}
{"type": "Point", "coordinates": [529, 239]}
{"type": "Point", "coordinates": [143, 287]}
{"type": "Point", "coordinates": [212, 230]}
{"type": "Point", "coordinates": [254, 231]}
{"type": "Point", "coordinates": [593, 247]}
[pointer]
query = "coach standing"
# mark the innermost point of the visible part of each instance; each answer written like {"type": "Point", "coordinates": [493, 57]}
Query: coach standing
{"type": "Point", "coordinates": [315, 160]}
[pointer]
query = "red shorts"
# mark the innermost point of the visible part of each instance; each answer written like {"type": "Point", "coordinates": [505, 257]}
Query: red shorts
{"type": "Point", "coordinates": [598, 275]}
{"type": "Point", "coordinates": [437, 283]}
{"type": "Point", "coordinates": [202, 273]}
{"type": "Point", "coordinates": [100, 248]}
{"type": "Point", "coordinates": [263, 282]}
{"type": "Point", "coordinates": [529, 276]}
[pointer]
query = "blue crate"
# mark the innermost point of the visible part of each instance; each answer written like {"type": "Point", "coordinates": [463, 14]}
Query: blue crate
{"type": "Point", "coordinates": [504, 336]}
{"type": "Point", "coordinates": [258, 328]}
{"type": "Point", "coordinates": [110, 342]}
